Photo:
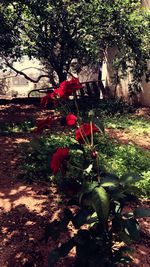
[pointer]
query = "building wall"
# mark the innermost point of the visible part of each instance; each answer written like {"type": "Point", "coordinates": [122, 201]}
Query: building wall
{"type": "Point", "coordinates": [18, 85]}
{"type": "Point", "coordinates": [122, 88]}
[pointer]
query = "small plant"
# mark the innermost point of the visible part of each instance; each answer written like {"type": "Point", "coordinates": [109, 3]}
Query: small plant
{"type": "Point", "coordinates": [100, 223]}
{"type": "Point", "coordinates": [12, 128]}
{"type": "Point", "coordinates": [99, 197]}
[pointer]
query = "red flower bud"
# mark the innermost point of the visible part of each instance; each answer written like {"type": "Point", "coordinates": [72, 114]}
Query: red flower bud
{"type": "Point", "coordinates": [71, 119]}
{"type": "Point", "coordinates": [94, 155]}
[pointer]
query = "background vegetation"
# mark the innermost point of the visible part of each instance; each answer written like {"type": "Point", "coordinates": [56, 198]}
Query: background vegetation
{"type": "Point", "coordinates": [114, 157]}
{"type": "Point", "coordinates": [55, 32]}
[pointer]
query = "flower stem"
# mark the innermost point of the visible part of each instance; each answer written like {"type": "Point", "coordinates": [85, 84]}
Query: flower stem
{"type": "Point", "coordinates": [85, 139]}
{"type": "Point", "coordinates": [98, 170]}
{"type": "Point", "coordinates": [63, 106]}
{"type": "Point", "coordinates": [76, 104]}
{"type": "Point", "coordinates": [91, 126]}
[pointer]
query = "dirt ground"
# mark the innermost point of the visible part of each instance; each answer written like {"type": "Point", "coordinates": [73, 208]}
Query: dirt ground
{"type": "Point", "coordinates": [26, 209]}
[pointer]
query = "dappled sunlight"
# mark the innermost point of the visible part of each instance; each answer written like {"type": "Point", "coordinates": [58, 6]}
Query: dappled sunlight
{"type": "Point", "coordinates": [26, 212]}
{"type": "Point", "coordinates": [22, 195]}
{"type": "Point", "coordinates": [31, 197]}
{"type": "Point", "coordinates": [122, 137]}
{"type": "Point", "coordinates": [16, 113]}
{"type": "Point", "coordinates": [141, 252]}
{"type": "Point", "coordinates": [27, 209]}
{"type": "Point", "coordinates": [21, 140]}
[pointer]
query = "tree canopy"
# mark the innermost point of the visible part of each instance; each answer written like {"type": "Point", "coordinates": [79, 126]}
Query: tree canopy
{"type": "Point", "coordinates": [55, 32]}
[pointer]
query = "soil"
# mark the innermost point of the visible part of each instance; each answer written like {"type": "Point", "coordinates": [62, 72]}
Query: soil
{"type": "Point", "coordinates": [127, 138]}
{"type": "Point", "coordinates": [26, 209]}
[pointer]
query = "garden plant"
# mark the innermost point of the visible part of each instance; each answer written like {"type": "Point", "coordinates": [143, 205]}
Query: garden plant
{"type": "Point", "coordinates": [97, 196]}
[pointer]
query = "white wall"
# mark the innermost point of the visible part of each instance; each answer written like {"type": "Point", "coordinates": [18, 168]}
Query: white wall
{"type": "Point", "coordinates": [18, 83]}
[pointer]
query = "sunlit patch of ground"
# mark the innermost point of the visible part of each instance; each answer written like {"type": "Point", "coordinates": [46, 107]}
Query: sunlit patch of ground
{"type": "Point", "coordinates": [121, 136]}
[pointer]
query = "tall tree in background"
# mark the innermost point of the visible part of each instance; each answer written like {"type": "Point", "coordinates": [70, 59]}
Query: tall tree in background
{"type": "Point", "coordinates": [126, 27]}
{"type": "Point", "coordinates": [55, 32]}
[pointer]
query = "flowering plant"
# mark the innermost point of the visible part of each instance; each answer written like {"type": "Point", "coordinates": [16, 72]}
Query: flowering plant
{"type": "Point", "coordinates": [98, 197]}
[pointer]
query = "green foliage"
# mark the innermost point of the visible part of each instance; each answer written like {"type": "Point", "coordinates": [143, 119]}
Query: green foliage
{"type": "Point", "coordinates": [123, 158]}
{"type": "Point", "coordinates": [100, 203]}
{"type": "Point", "coordinates": [114, 158]}
{"type": "Point", "coordinates": [124, 21]}
{"type": "Point", "coordinates": [106, 107]}
{"type": "Point", "coordinates": [36, 156]}
{"type": "Point", "coordinates": [130, 123]}
{"type": "Point", "coordinates": [109, 224]}
{"type": "Point", "coordinates": [83, 170]}
{"type": "Point", "coordinates": [141, 212]}
{"type": "Point", "coordinates": [144, 184]}
{"type": "Point", "coordinates": [12, 128]}
{"type": "Point", "coordinates": [56, 32]}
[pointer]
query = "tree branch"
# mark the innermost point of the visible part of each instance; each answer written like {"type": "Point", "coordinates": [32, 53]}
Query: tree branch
{"type": "Point", "coordinates": [35, 69]}
{"type": "Point", "coordinates": [18, 72]}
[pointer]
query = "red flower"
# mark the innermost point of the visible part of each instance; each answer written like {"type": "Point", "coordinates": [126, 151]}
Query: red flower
{"type": "Point", "coordinates": [47, 98]}
{"type": "Point", "coordinates": [85, 130]}
{"type": "Point", "coordinates": [42, 124]}
{"type": "Point", "coordinates": [71, 119]}
{"type": "Point", "coordinates": [58, 160]}
{"type": "Point", "coordinates": [68, 87]}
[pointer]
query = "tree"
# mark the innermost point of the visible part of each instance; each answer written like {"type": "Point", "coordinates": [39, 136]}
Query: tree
{"type": "Point", "coordinates": [126, 26]}
{"type": "Point", "coordinates": [55, 32]}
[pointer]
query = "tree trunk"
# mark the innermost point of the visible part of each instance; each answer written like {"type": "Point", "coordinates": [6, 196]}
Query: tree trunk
{"type": "Point", "coordinates": [100, 83]}
{"type": "Point", "coordinates": [62, 76]}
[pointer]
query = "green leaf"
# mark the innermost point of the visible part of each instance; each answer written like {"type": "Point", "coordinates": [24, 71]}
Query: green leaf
{"type": "Point", "coordinates": [52, 230]}
{"type": "Point", "coordinates": [100, 125]}
{"type": "Point", "coordinates": [92, 220]}
{"type": "Point", "coordinates": [100, 203]}
{"type": "Point", "coordinates": [108, 175]}
{"type": "Point", "coordinates": [86, 189]}
{"type": "Point", "coordinates": [110, 181]}
{"type": "Point", "coordinates": [141, 212]}
{"type": "Point", "coordinates": [89, 186]}
{"type": "Point", "coordinates": [129, 178]}
{"type": "Point", "coordinates": [108, 184]}
{"type": "Point", "coordinates": [125, 238]}
{"type": "Point", "coordinates": [76, 147]}
{"type": "Point", "coordinates": [125, 260]}
{"type": "Point", "coordinates": [81, 217]}
{"type": "Point", "coordinates": [82, 237]}
{"type": "Point", "coordinates": [131, 226]}
{"type": "Point", "coordinates": [88, 169]}
{"type": "Point", "coordinates": [128, 215]}
{"type": "Point", "coordinates": [62, 251]}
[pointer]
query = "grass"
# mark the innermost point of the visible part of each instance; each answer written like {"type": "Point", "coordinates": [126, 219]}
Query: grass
{"type": "Point", "coordinates": [11, 128]}
{"type": "Point", "coordinates": [129, 123]}
{"type": "Point", "coordinates": [114, 158]}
